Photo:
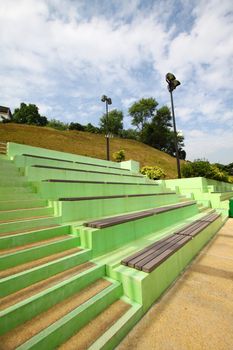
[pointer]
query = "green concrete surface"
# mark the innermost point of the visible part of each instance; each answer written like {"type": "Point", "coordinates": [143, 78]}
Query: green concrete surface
{"type": "Point", "coordinates": [29, 206]}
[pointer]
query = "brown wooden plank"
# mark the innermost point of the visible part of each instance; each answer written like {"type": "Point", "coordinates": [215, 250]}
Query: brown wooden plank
{"type": "Point", "coordinates": [107, 183]}
{"type": "Point", "coordinates": [83, 171]}
{"type": "Point", "coordinates": [72, 161]}
{"type": "Point", "coordinates": [131, 257]}
{"type": "Point", "coordinates": [187, 231]}
{"type": "Point", "coordinates": [135, 216]}
{"type": "Point", "coordinates": [157, 252]}
{"type": "Point", "coordinates": [70, 199]}
{"type": "Point", "coordinates": [155, 247]}
{"type": "Point", "coordinates": [150, 266]}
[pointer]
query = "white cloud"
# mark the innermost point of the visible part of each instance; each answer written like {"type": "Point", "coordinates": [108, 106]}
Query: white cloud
{"type": "Point", "coordinates": [63, 55]}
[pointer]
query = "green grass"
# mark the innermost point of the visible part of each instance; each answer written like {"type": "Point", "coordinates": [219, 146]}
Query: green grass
{"type": "Point", "coordinates": [87, 144]}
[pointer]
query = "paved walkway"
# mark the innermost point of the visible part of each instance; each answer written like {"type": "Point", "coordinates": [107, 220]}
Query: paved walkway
{"type": "Point", "coordinates": [197, 311]}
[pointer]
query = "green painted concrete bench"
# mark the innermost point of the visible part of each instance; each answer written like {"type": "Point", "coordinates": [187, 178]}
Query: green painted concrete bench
{"type": "Point", "coordinates": [76, 162]}
{"type": "Point", "coordinates": [155, 254]}
{"type": "Point", "coordinates": [85, 198]}
{"type": "Point", "coordinates": [115, 220]}
{"type": "Point", "coordinates": [100, 182]}
{"type": "Point", "coordinates": [84, 171]}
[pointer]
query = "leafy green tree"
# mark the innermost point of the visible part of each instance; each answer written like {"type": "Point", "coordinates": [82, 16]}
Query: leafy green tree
{"type": "Point", "coordinates": [141, 111]}
{"type": "Point", "coordinates": [76, 126]}
{"type": "Point", "coordinates": [130, 134]}
{"type": "Point", "coordinates": [114, 123]}
{"type": "Point", "coordinates": [91, 128]}
{"type": "Point", "coordinates": [28, 114]}
{"type": "Point", "coordinates": [157, 133]}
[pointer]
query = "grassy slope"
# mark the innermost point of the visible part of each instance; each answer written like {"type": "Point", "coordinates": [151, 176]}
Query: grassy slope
{"type": "Point", "coordinates": [87, 144]}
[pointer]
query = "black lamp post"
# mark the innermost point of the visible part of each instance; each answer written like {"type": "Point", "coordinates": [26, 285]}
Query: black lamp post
{"type": "Point", "coordinates": [108, 101]}
{"type": "Point", "coordinates": [172, 84]}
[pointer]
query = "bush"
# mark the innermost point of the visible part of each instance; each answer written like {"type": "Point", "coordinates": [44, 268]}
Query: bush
{"type": "Point", "coordinates": [56, 124]}
{"type": "Point", "coordinates": [153, 172]}
{"type": "Point", "coordinates": [76, 126]}
{"type": "Point", "coordinates": [119, 156]}
{"type": "Point", "coordinates": [203, 168]}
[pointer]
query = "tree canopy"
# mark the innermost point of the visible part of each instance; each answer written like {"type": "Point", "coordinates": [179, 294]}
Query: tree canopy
{"type": "Point", "coordinates": [28, 114]}
{"type": "Point", "coordinates": [114, 124]}
{"type": "Point", "coordinates": [141, 111]}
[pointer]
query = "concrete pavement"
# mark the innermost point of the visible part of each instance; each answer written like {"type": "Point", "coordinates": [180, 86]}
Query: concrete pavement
{"type": "Point", "coordinates": [196, 313]}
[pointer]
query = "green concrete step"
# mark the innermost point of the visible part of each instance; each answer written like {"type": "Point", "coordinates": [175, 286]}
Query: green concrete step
{"type": "Point", "coordinates": [15, 190]}
{"type": "Point", "coordinates": [22, 276]}
{"type": "Point", "coordinates": [84, 188]}
{"type": "Point", "coordinates": [24, 160]}
{"type": "Point", "coordinates": [19, 238]}
{"type": "Point", "coordinates": [13, 181]}
{"type": "Point", "coordinates": [72, 322]}
{"type": "Point", "coordinates": [16, 214]}
{"type": "Point", "coordinates": [19, 196]}
{"type": "Point", "coordinates": [33, 251]}
{"type": "Point", "coordinates": [113, 335]}
{"type": "Point", "coordinates": [22, 204]}
{"type": "Point", "coordinates": [38, 174]}
{"type": "Point", "coordinates": [29, 307]}
{"type": "Point", "coordinates": [28, 223]}
{"type": "Point", "coordinates": [86, 209]}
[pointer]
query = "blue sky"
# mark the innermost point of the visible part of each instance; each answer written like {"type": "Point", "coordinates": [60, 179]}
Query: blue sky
{"type": "Point", "coordinates": [63, 55]}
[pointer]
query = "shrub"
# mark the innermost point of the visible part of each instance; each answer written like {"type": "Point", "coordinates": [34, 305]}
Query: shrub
{"type": "Point", "coordinates": [57, 124]}
{"type": "Point", "coordinates": [153, 172]}
{"type": "Point", "coordinates": [203, 168]}
{"type": "Point", "coordinates": [76, 126]}
{"type": "Point", "coordinates": [119, 156]}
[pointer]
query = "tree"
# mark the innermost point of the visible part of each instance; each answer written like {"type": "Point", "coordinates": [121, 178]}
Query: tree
{"type": "Point", "coordinates": [130, 134]}
{"type": "Point", "coordinates": [76, 126]}
{"type": "Point", "coordinates": [114, 124]}
{"type": "Point", "coordinates": [141, 111]}
{"type": "Point", "coordinates": [157, 133]}
{"type": "Point", "coordinates": [91, 128]}
{"type": "Point", "coordinates": [28, 114]}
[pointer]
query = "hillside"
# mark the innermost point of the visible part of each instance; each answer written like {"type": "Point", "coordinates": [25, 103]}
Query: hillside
{"type": "Point", "coordinates": [83, 143]}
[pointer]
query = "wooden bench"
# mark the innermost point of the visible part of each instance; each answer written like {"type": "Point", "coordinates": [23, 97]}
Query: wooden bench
{"type": "Point", "coordinates": [120, 219]}
{"type": "Point", "coordinates": [83, 171]}
{"type": "Point", "coordinates": [87, 198]}
{"type": "Point", "coordinates": [155, 254]}
{"type": "Point", "coordinates": [71, 161]}
{"type": "Point", "coordinates": [102, 183]}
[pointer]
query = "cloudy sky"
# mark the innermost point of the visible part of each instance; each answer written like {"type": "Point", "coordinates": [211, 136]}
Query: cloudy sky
{"type": "Point", "coordinates": [63, 55]}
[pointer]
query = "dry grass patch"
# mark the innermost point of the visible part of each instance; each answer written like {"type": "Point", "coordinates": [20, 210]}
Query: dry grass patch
{"type": "Point", "coordinates": [87, 144]}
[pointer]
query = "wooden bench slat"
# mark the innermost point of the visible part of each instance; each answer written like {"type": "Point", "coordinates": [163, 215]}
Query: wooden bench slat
{"type": "Point", "coordinates": [157, 246]}
{"type": "Point", "coordinates": [72, 161]}
{"type": "Point", "coordinates": [153, 255]}
{"type": "Point", "coordinates": [82, 171]}
{"type": "Point", "coordinates": [158, 252]}
{"type": "Point", "coordinates": [135, 216]}
{"type": "Point", "coordinates": [106, 183]}
{"type": "Point", "coordinates": [131, 257]}
{"type": "Point", "coordinates": [150, 266]}
{"type": "Point", "coordinates": [70, 199]}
